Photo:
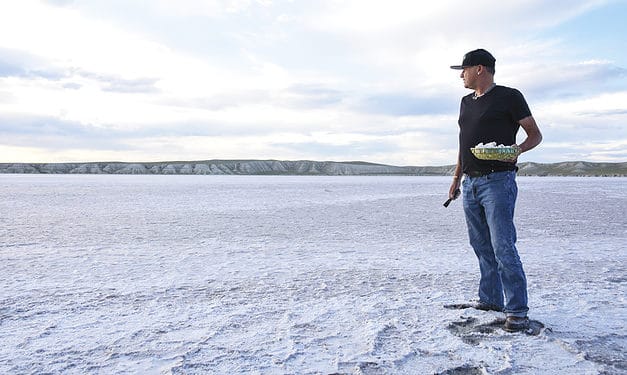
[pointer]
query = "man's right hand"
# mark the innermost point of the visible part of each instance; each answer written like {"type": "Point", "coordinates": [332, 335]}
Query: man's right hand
{"type": "Point", "coordinates": [453, 191]}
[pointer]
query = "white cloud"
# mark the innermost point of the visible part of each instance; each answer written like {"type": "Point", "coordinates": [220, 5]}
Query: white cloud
{"type": "Point", "coordinates": [67, 40]}
{"type": "Point", "coordinates": [207, 8]}
{"type": "Point", "coordinates": [359, 79]}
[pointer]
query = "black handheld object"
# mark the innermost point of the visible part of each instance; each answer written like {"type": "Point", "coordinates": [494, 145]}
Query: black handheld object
{"type": "Point", "coordinates": [455, 195]}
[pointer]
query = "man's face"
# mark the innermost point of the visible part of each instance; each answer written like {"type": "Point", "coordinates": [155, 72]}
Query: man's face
{"type": "Point", "coordinates": [469, 75]}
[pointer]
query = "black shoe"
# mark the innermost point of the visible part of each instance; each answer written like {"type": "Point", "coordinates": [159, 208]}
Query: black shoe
{"type": "Point", "coordinates": [487, 307]}
{"type": "Point", "coordinates": [516, 324]}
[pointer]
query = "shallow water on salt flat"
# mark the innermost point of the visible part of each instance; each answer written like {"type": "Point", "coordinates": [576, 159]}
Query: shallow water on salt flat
{"type": "Point", "coordinates": [279, 275]}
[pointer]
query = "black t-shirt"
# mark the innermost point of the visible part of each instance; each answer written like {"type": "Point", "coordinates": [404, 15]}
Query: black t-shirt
{"type": "Point", "coordinates": [492, 117]}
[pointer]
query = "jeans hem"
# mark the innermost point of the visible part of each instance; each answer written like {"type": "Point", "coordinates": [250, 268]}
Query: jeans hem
{"type": "Point", "coordinates": [517, 314]}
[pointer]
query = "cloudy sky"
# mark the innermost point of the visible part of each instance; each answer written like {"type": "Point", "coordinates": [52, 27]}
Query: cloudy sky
{"type": "Point", "coordinates": [157, 80]}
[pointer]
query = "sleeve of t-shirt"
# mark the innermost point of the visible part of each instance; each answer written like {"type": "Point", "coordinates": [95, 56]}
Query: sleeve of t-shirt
{"type": "Point", "coordinates": [519, 106]}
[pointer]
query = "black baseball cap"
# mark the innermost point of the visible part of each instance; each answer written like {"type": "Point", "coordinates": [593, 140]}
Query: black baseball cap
{"type": "Point", "coordinates": [476, 57]}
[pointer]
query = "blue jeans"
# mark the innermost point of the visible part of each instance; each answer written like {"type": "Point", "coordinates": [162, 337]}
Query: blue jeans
{"type": "Point", "coordinates": [489, 208]}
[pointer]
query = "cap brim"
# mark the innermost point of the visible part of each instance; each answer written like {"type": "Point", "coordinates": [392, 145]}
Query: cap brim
{"type": "Point", "coordinates": [457, 67]}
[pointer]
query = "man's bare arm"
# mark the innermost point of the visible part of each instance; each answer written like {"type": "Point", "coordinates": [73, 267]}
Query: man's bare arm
{"type": "Point", "coordinates": [534, 136]}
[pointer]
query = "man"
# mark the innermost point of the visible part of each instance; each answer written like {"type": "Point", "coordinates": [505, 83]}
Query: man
{"type": "Point", "coordinates": [493, 114]}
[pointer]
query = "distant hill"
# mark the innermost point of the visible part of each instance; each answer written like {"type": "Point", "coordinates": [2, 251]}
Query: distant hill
{"type": "Point", "coordinates": [300, 167]}
{"type": "Point", "coordinates": [573, 168]}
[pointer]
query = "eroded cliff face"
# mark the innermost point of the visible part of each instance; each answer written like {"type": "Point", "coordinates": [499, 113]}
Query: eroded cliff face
{"type": "Point", "coordinates": [300, 167]}
{"type": "Point", "coordinates": [232, 167]}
